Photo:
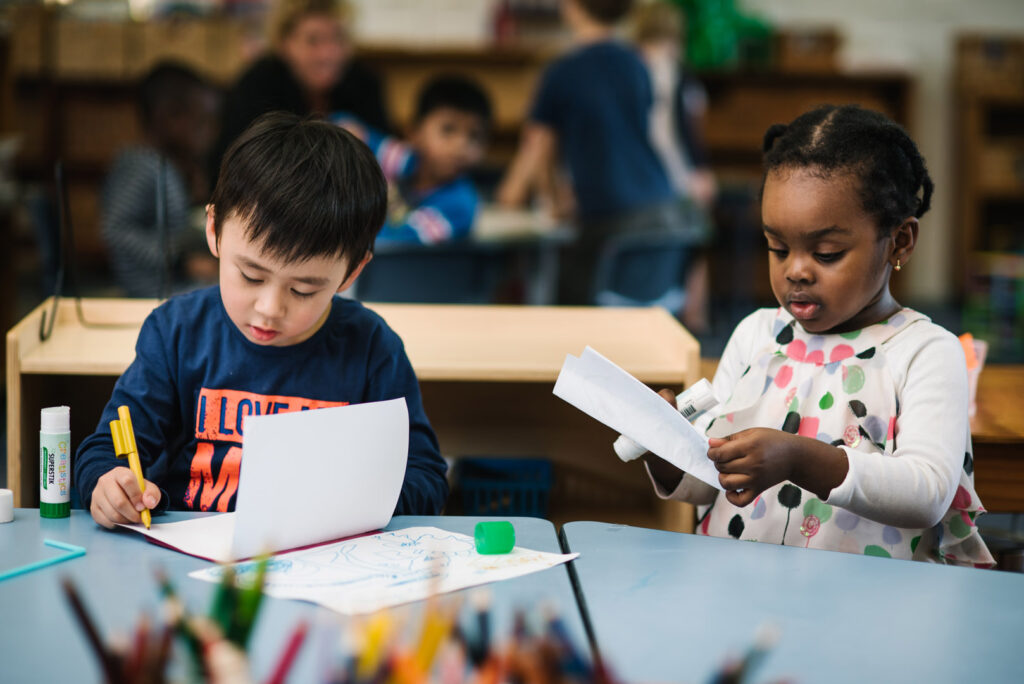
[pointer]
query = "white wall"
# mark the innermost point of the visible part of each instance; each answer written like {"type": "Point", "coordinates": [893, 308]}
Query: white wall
{"type": "Point", "coordinates": [918, 36]}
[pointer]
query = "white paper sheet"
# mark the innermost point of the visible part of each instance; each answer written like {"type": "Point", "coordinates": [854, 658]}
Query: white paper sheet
{"type": "Point", "coordinates": [307, 477]}
{"type": "Point", "coordinates": [602, 390]}
{"type": "Point", "coordinates": [369, 573]}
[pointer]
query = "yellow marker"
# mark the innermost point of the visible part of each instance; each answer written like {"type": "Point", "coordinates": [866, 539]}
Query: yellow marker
{"type": "Point", "coordinates": [376, 636]}
{"type": "Point", "coordinates": [436, 626]}
{"type": "Point", "coordinates": [124, 446]}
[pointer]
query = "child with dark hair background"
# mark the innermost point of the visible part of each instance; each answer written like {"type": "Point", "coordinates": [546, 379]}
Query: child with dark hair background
{"type": "Point", "coordinates": [844, 424]}
{"type": "Point", "coordinates": [178, 113]}
{"type": "Point", "coordinates": [431, 198]}
{"type": "Point", "coordinates": [293, 219]}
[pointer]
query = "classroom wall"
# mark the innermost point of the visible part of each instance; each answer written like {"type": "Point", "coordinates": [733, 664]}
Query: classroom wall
{"type": "Point", "coordinates": [918, 36]}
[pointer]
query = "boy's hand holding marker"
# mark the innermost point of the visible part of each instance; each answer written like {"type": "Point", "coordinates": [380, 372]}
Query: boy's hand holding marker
{"type": "Point", "coordinates": [119, 499]}
{"type": "Point", "coordinates": [122, 495]}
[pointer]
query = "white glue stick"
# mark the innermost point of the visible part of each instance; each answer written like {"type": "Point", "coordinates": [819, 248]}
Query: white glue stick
{"type": "Point", "coordinates": [55, 462]}
{"type": "Point", "coordinates": [693, 403]}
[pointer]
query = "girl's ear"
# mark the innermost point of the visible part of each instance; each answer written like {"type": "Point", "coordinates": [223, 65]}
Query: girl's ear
{"type": "Point", "coordinates": [211, 232]}
{"type": "Point", "coordinates": [904, 239]}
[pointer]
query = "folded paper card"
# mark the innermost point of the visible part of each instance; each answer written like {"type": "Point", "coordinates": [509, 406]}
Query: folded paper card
{"type": "Point", "coordinates": [306, 478]}
{"type": "Point", "coordinates": [602, 390]}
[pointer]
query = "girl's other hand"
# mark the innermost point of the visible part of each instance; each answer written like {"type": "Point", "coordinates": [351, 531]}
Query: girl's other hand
{"type": "Point", "coordinates": [751, 461]}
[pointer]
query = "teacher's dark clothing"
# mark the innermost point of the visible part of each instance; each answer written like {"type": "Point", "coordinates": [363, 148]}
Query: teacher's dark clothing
{"type": "Point", "coordinates": [269, 85]}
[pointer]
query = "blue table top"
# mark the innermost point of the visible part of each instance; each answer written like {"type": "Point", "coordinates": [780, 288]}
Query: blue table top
{"type": "Point", "coordinates": [41, 642]}
{"type": "Point", "coordinates": [670, 607]}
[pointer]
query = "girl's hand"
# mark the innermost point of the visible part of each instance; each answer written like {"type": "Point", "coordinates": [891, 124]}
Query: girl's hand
{"type": "Point", "coordinates": [752, 461]}
{"type": "Point", "coordinates": [756, 459]}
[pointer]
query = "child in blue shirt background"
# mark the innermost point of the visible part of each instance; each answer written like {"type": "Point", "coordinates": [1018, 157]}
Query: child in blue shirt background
{"type": "Point", "coordinates": [293, 220]}
{"type": "Point", "coordinates": [431, 198]}
{"type": "Point", "coordinates": [591, 112]}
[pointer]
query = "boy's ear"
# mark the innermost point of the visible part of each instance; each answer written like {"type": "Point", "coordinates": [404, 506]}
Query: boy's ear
{"type": "Point", "coordinates": [351, 279]}
{"type": "Point", "coordinates": [904, 239]}
{"type": "Point", "coordinates": [211, 232]}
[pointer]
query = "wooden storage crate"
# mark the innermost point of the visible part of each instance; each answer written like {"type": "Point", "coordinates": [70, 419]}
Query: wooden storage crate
{"type": "Point", "coordinates": [186, 41]}
{"type": "Point", "coordinates": [1001, 168]}
{"type": "Point", "coordinates": [90, 49]}
{"type": "Point", "coordinates": [29, 40]}
{"type": "Point", "coordinates": [990, 64]}
{"type": "Point", "coordinates": [807, 50]}
{"type": "Point", "coordinates": [231, 44]}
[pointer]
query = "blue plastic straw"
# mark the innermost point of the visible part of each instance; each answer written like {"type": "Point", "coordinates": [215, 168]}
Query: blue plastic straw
{"type": "Point", "coordinates": [72, 552]}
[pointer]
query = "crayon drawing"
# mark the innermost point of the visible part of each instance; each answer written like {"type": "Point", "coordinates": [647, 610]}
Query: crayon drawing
{"type": "Point", "coordinates": [368, 573]}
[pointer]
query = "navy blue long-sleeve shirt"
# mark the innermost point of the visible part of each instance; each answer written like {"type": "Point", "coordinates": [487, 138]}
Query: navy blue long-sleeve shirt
{"type": "Point", "coordinates": [597, 99]}
{"type": "Point", "coordinates": [195, 377]}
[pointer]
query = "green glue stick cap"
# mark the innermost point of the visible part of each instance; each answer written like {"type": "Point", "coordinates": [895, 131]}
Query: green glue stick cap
{"type": "Point", "coordinates": [493, 537]}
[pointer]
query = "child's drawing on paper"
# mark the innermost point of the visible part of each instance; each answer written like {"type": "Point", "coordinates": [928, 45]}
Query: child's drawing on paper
{"type": "Point", "coordinates": [367, 573]}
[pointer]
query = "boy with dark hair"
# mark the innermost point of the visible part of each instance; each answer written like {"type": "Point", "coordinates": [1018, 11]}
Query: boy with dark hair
{"type": "Point", "coordinates": [431, 199]}
{"type": "Point", "coordinates": [592, 108]}
{"type": "Point", "coordinates": [292, 221]}
{"type": "Point", "coordinates": [178, 112]}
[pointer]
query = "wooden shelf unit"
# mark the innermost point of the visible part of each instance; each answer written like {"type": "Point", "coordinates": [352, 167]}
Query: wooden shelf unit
{"type": "Point", "coordinates": [989, 114]}
{"type": "Point", "coordinates": [84, 113]}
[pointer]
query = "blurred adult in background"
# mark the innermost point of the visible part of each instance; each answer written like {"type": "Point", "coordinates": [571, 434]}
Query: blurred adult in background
{"type": "Point", "coordinates": [154, 255]}
{"type": "Point", "coordinates": [677, 135]}
{"type": "Point", "coordinates": [310, 69]}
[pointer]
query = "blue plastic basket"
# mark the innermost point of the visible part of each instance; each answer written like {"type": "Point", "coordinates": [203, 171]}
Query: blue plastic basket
{"type": "Point", "coordinates": [504, 486]}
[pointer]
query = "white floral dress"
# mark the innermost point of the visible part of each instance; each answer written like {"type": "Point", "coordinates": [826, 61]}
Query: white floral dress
{"type": "Point", "coordinates": [838, 389]}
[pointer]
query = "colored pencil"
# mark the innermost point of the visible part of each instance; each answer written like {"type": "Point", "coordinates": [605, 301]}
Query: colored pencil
{"type": "Point", "coordinates": [288, 655]}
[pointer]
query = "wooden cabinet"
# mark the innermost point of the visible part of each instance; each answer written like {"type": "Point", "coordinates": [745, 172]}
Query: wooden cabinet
{"type": "Point", "coordinates": [990, 189]}
{"type": "Point", "coordinates": [74, 87]}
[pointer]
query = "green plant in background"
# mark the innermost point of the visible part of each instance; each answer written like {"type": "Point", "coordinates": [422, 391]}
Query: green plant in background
{"type": "Point", "coordinates": [720, 36]}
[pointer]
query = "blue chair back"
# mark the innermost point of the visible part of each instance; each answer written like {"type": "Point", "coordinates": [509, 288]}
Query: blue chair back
{"type": "Point", "coordinates": [451, 273]}
{"type": "Point", "coordinates": [643, 269]}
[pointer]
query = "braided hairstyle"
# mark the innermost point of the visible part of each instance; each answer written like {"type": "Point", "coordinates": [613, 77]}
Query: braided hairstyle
{"type": "Point", "coordinates": [829, 140]}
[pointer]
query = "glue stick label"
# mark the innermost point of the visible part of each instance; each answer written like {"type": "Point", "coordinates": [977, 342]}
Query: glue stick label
{"type": "Point", "coordinates": [55, 468]}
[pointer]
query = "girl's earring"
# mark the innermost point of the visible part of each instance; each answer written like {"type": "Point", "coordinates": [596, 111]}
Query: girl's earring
{"type": "Point", "coordinates": [897, 267]}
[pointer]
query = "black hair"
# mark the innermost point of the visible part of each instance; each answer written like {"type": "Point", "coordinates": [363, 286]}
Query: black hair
{"type": "Point", "coordinates": [607, 12]}
{"type": "Point", "coordinates": [303, 188]}
{"type": "Point", "coordinates": [829, 140]}
{"type": "Point", "coordinates": [168, 85]}
{"type": "Point", "coordinates": [456, 92]}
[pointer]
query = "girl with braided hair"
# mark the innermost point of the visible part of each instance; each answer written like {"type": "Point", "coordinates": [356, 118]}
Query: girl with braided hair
{"type": "Point", "coordinates": [844, 423]}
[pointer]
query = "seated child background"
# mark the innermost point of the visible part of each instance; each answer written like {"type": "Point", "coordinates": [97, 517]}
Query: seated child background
{"type": "Point", "coordinates": [430, 196]}
{"type": "Point", "coordinates": [293, 218]}
{"type": "Point", "coordinates": [844, 418]}
{"type": "Point", "coordinates": [178, 112]}
{"type": "Point", "coordinates": [591, 116]}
